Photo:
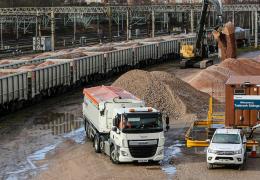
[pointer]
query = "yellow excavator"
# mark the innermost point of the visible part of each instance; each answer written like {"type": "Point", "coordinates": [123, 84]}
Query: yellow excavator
{"type": "Point", "coordinates": [198, 55]}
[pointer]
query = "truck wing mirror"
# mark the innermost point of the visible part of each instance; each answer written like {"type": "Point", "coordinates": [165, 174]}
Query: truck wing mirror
{"type": "Point", "coordinates": [114, 128]}
{"type": "Point", "coordinates": [167, 122]}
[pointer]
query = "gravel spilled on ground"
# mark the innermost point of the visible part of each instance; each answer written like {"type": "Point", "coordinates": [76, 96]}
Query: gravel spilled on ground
{"type": "Point", "coordinates": [165, 92]}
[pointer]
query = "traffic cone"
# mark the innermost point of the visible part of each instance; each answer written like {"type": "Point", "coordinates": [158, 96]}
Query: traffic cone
{"type": "Point", "coordinates": [253, 152]}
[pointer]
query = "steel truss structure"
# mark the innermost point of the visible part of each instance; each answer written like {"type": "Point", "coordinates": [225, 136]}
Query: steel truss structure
{"type": "Point", "coordinates": [32, 11]}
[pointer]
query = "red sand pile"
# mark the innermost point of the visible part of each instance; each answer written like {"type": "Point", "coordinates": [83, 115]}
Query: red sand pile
{"type": "Point", "coordinates": [47, 63]}
{"type": "Point", "coordinates": [28, 67]}
{"type": "Point", "coordinates": [4, 62]}
{"type": "Point", "coordinates": [4, 73]}
{"type": "Point", "coordinates": [221, 72]}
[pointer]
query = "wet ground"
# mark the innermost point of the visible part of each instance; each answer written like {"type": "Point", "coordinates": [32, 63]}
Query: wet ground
{"type": "Point", "coordinates": [47, 141]}
{"type": "Point", "coordinates": [27, 136]}
{"type": "Point", "coordinates": [32, 138]}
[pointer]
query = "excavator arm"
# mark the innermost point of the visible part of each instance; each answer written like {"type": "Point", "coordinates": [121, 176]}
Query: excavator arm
{"type": "Point", "coordinates": [194, 56]}
{"type": "Point", "coordinates": [200, 33]}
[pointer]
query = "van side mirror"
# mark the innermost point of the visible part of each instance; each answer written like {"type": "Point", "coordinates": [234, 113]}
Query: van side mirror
{"type": "Point", "coordinates": [208, 140]}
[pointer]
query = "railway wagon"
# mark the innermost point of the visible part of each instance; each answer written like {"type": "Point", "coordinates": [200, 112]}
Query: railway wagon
{"type": "Point", "coordinates": [84, 69]}
{"type": "Point", "coordinates": [12, 64]}
{"type": "Point", "coordinates": [169, 49]}
{"type": "Point", "coordinates": [189, 40]}
{"type": "Point", "coordinates": [88, 68]}
{"type": "Point", "coordinates": [13, 89]}
{"type": "Point", "coordinates": [145, 54]}
{"type": "Point", "coordinates": [48, 80]}
{"type": "Point", "coordinates": [118, 61]}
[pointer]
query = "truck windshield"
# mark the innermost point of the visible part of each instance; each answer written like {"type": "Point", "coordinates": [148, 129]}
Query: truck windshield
{"type": "Point", "coordinates": [226, 139]}
{"type": "Point", "coordinates": [143, 123]}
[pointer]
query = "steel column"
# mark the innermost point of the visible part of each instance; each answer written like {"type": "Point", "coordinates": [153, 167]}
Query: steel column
{"type": "Point", "coordinates": [233, 17]}
{"type": "Point", "coordinates": [1, 33]}
{"type": "Point", "coordinates": [252, 23]}
{"type": "Point", "coordinates": [256, 29]}
{"type": "Point", "coordinates": [52, 30]}
{"type": "Point", "coordinates": [192, 20]}
{"type": "Point", "coordinates": [74, 29]}
{"type": "Point", "coordinates": [118, 25]}
{"type": "Point", "coordinates": [127, 25]}
{"type": "Point", "coordinates": [110, 23]}
{"type": "Point", "coordinates": [153, 24]}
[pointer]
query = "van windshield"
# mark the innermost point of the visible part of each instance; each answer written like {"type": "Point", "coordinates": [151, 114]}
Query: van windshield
{"type": "Point", "coordinates": [142, 122]}
{"type": "Point", "coordinates": [226, 139]}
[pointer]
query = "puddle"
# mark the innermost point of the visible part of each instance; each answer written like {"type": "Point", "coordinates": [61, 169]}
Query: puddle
{"type": "Point", "coordinates": [47, 131]}
{"type": "Point", "coordinates": [30, 168]}
{"type": "Point", "coordinates": [62, 123]}
{"type": "Point", "coordinates": [169, 153]}
{"type": "Point", "coordinates": [79, 135]}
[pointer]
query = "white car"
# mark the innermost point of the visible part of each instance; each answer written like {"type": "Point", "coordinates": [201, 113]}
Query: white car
{"type": "Point", "coordinates": [227, 146]}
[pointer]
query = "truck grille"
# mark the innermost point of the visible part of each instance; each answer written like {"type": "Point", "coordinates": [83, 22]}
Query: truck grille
{"type": "Point", "coordinates": [225, 153]}
{"type": "Point", "coordinates": [143, 151]}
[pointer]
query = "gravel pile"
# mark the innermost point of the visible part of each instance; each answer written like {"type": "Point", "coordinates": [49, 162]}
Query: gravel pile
{"type": "Point", "coordinates": [221, 72]}
{"type": "Point", "coordinates": [165, 92]}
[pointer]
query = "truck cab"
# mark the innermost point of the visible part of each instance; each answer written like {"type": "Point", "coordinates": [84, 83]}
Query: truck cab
{"type": "Point", "coordinates": [227, 147]}
{"type": "Point", "coordinates": [137, 135]}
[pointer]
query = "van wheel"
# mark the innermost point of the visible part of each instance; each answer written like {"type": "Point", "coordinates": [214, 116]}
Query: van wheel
{"type": "Point", "coordinates": [241, 167]}
{"type": "Point", "coordinates": [113, 155]}
{"type": "Point", "coordinates": [209, 166]}
{"type": "Point", "coordinates": [97, 144]}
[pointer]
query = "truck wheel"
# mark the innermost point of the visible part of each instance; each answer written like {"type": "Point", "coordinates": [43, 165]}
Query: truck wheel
{"type": "Point", "coordinates": [113, 155]}
{"type": "Point", "coordinates": [86, 126]}
{"type": "Point", "coordinates": [209, 166]}
{"type": "Point", "coordinates": [102, 144]}
{"type": "Point", "coordinates": [97, 144]}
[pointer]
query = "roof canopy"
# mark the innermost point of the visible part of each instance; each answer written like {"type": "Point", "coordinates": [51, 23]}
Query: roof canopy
{"type": "Point", "coordinates": [244, 79]}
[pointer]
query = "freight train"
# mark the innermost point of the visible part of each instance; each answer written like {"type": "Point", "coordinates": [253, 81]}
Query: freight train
{"type": "Point", "coordinates": [25, 82]}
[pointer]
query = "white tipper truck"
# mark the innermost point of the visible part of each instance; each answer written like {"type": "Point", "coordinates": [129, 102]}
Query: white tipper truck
{"type": "Point", "coordinates": [121, 126]}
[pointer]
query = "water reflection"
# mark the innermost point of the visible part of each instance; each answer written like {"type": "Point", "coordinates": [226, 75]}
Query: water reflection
{"type": "Point", "coordinates": [62, 123]}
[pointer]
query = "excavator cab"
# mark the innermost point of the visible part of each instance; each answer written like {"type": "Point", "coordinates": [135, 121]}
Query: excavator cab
{"type": "Point", "coordinates": [197, 55]}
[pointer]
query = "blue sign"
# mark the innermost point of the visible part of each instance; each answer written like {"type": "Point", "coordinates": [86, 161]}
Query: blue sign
{"type": "Point", "coordinates": [247, 102]}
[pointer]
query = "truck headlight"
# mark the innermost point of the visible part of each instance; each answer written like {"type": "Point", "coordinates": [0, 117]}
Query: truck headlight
{"type": "Point", "coordinates": [160, 152]}
{"type": "Point", "coordinates": [238, 151]}
{"type": "Point", "coordinates": [124, 143]}
{"type": "Point", "coordinates": [211, 151]}
{"type": "Point", "coordinates": [124, 153]}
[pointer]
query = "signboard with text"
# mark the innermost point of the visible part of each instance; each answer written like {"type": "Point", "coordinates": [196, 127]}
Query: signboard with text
{"type": "Point", "coordinates": [247, 102]}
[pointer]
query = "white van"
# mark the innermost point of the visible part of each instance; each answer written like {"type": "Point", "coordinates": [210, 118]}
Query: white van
{"type": "Point", "coordinates": [227, 146]}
